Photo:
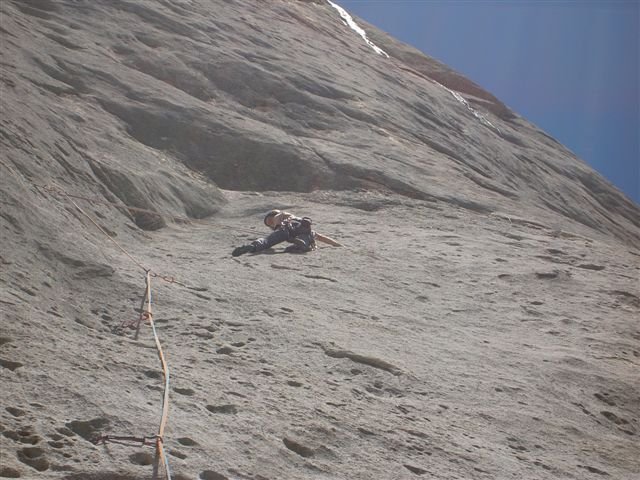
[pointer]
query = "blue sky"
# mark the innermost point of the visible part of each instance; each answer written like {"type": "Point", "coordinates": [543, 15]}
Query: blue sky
{"type": "Point", "coordinates": [571, 67]}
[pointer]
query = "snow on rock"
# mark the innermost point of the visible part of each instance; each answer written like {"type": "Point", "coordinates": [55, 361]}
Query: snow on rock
{"type": "Point", "coordinates": [475, 113]}
{"type": "Point", "coordinates": [348, 20]}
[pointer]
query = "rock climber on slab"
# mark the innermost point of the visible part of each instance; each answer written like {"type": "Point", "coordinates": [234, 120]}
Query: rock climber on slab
{"type": "Point", "coordinates": [286, 228]}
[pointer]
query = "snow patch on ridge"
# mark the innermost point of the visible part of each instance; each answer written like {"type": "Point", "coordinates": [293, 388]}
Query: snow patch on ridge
{"type": "Point", "coordinates": [475, 113]}
{"type": "Point", "coordinates": [348, 20]}
{"type": "Point", "coordinates": [354, 26]}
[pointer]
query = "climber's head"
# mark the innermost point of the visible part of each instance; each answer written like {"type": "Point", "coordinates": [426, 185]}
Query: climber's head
{"type": "Point", "coordinates": [271, 219]}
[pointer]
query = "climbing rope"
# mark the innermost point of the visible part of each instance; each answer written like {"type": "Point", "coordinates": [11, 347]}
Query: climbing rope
{"type": "Point", "coordinates": [106, 234]}
{"type": "Point", "coordinates": [147, 316]}
{"type": "Point", "coordinates": [124, 440]}
{"type": "Point", "coordinates": [55, 190]}
{"type": "Point", "coordinates": [160, 454]}
{"type": "Point", "coordinates": [161, 458]}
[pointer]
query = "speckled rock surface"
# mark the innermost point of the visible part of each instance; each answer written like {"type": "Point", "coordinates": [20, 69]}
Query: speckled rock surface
{"type": "Point", "coordinates": [480, 321]}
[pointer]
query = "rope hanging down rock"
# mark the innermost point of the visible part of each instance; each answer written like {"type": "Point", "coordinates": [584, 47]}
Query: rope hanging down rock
{"type": "Point", "coordinates": [146, 315]}
{"type": "Point", "coordinates": [158, 440]}
{"type": "Point", "coordinates": [57, 191]}
{"type": "Point", "coordinates": [161, 457]}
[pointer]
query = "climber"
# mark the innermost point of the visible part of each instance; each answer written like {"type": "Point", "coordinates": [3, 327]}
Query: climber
{"type": "Point", "coordinates": [286, 228]}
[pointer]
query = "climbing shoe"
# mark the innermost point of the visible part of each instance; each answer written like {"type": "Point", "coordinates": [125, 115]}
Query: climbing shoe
{"type": "Point", "coordinates": [242, 250]}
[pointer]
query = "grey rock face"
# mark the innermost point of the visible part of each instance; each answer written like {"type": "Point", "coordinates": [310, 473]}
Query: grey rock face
{"type": "Point", "coordinates": [481, 321]}
{"type": "Point", "coordinates": [281, 96]}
